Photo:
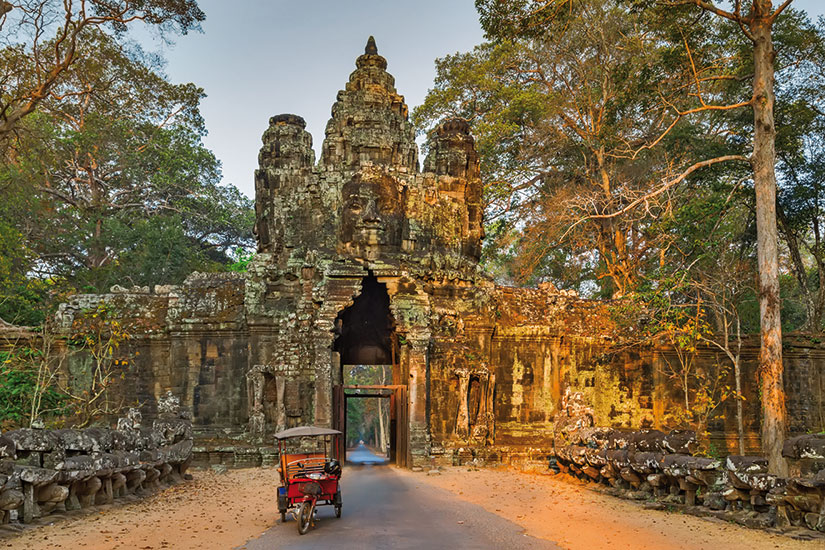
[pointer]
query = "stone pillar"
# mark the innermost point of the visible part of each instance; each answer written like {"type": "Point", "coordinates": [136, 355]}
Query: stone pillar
{"type": "Point", "coordinates": [280, 390]}
{"type": "Point", "coordinates": [323, 380]}
{"type": "Point", "coordinates": [30, 508]}
{"type": "Point", "coordinates": [491, 415]}
{"type": "Point", "coordinates": [462, 422]}
{"type": "Point", "coordinates": [417, 357]}
{"type": "Point", "coordinates": [256, 425]}
{"type": "Point", "coordinates": [337, 374]}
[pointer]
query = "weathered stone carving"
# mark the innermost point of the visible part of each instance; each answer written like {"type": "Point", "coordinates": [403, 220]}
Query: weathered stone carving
{"type": "Point", "coordinates": [257, 398]}
{"type": "Point", "coordinates": [371, 215]}
{"type": "Point", "coordinates": [462, 422]}
{"type": "Point", "coordinates": [257, 423]}
{"type": "Point", "coordinates": [169, 404]}
{"type": "Point", "coordinates": [650, 463]}
{"type": "Point", "coordinates": [130, 422]}
{"type": "Point", "coordinates": [42, 471]}
{"type": "Point", "coordinates": [477, 423]}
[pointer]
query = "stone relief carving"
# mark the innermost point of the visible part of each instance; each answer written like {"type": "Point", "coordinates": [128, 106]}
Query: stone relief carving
{"type": "Point", "coordinates": [256, 380]}
{"type": "Point", "coordinates": [372, 215]}
{"type": "Point", "coordinates": [480, 429]}
{"type": "Point", "coordinates": [130, 422]}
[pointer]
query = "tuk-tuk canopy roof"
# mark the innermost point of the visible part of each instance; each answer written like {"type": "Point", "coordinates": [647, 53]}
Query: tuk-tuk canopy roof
{"type": "Point", "coordinates": [305, 431]}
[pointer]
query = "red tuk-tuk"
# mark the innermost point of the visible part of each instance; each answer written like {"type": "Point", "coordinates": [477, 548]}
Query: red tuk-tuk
{"type": "Point", "coordinates": [309, 473]}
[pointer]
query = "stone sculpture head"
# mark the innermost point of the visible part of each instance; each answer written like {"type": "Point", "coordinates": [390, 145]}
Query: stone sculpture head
{"type": "Point", "coordinates": [169, 404]}
{"type": "Point", "coordinates": [130, 422]}
{"type": "Point", "coordinates": [371, 217]}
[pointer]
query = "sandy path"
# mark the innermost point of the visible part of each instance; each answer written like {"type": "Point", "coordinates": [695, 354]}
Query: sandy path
{"type": "Point", "coordinates": [211, 512]}
{"type": "Point", "coordinates": [577, 518]}
{"type": "Point", "coordinates": [221, 512]}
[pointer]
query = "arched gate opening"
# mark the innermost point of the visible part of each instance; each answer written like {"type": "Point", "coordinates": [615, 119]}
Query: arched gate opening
{"type": "Point", "coordinates": [366, 345]}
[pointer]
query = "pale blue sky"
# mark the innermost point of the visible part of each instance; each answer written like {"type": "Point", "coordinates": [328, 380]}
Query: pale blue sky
{"type": "Point", "coordinates": [258, 58]}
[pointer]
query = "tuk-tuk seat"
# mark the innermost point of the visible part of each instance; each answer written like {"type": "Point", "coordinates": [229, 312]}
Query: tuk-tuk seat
{"type": "Point", "coordinates": [313, 463]}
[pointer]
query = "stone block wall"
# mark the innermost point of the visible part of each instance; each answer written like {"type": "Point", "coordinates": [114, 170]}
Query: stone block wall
{"type": "Point", "coordinates": [545, 342]}
{"type": "Point", "coordinates": [190, 339]}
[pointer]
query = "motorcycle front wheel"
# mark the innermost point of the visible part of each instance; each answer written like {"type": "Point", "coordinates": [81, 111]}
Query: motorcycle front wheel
{"type": "Point", "coordinates": [305, 516]}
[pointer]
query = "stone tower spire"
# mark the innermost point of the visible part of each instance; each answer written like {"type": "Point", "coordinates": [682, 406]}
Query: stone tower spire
{"type": "Point", "coordinates": [285, 198]}
{"type": "Point", "coordinates": [371, 48]}
{"type": "Point", "coordinates": [369, 121]}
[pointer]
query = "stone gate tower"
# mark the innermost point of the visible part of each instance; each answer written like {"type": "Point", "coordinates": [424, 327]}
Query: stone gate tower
{"type": "Point", "coordinates": [362, 257]}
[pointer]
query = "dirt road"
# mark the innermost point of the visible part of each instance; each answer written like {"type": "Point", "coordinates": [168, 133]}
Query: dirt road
{"type": "Point", "coordinates": [389, 508]}
{"type": "Point", "coordinates": [213, 512]}
{"type": "Point", "coordinates": [384, 509]}
{"type": "Point", "coordinates": [577, 518]}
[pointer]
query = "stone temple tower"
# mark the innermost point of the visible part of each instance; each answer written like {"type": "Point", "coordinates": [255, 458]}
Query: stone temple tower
{"type": "Point", "coordinates": [363, 259]}
{"type": "Point", "coordinates": [366, 199]}
{"type": "Point", "coordinates": [369, 121]}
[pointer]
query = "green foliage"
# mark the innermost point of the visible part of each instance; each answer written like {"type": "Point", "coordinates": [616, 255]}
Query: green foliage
{"type": "Point", "coordinates": [800, 116]}
{"type": "Point", "coordinates": [113, 185]}
{"type": "Point", "coordinates": [42, 42]}
{"type": "Point", "coordinates": [567, 100]}
{"type": "Point", "coordinates": [99, 340]}
{"type": "Point", "coordinates": [19, 383]}
{"type": "Point", "coordinates": [576, 118]}
{"type": "Point", "coordinates": [21, 297]}
{"type": "Point", "coordinates": [241, 263]}
{"type": "Point", "coordinates": [362, 413]}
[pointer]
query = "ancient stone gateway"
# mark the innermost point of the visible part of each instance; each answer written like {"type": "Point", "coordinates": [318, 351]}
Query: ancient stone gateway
{"type": "Point", "coordinates": [363, 259]}
{"type": "Point", "coordinates": [369, 257]}
{"type": "Point", "coordinates": [366, 258]}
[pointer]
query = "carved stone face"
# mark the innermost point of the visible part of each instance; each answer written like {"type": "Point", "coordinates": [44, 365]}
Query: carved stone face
{"type": "Point", "coordinates": [371, 217]}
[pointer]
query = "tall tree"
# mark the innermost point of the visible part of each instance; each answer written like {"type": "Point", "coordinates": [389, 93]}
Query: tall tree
{"type": "Point", "coordinates": [584, 133]}
{"type": "Point", "coordinates": [800, 115]}
{"type": "Point", "coordinates": [125, 191]}
{"type": "Point", "coordinates": [709, 275]}
{"type": "Point", "coordinates": [756, 21]}
{"type": "Point", "coordinates": [47, 37]}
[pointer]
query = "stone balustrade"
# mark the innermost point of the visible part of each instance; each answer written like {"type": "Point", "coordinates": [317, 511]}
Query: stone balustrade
{"type": "Point", "coordinates": [650, 464]}
{"type": "Point", "coordinates": [44, 471]}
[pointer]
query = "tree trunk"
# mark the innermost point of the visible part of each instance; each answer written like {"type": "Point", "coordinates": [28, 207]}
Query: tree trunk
{"type": "Point", "coordinates": [381, 428]}
{"type": "Point", "coordinates": [737, 373]}
{"type": "Point", "coordinates": [819, 306]}
{"type": "Point", "coordinates": [774, 421]}
{"type": "Point", "coordinates": [740, 421]}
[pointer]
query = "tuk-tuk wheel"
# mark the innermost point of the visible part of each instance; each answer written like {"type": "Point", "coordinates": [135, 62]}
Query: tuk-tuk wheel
{"type": "Point", "coordinates": [338, 511]}
{"type": "Point", "coordinates": [305, 517]}
{"type": "Point", "coordinates": [283, 517]}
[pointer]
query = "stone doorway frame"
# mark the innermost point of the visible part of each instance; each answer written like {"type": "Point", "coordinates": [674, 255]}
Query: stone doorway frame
{"type": "Point", "coordinates": [399, 416]}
